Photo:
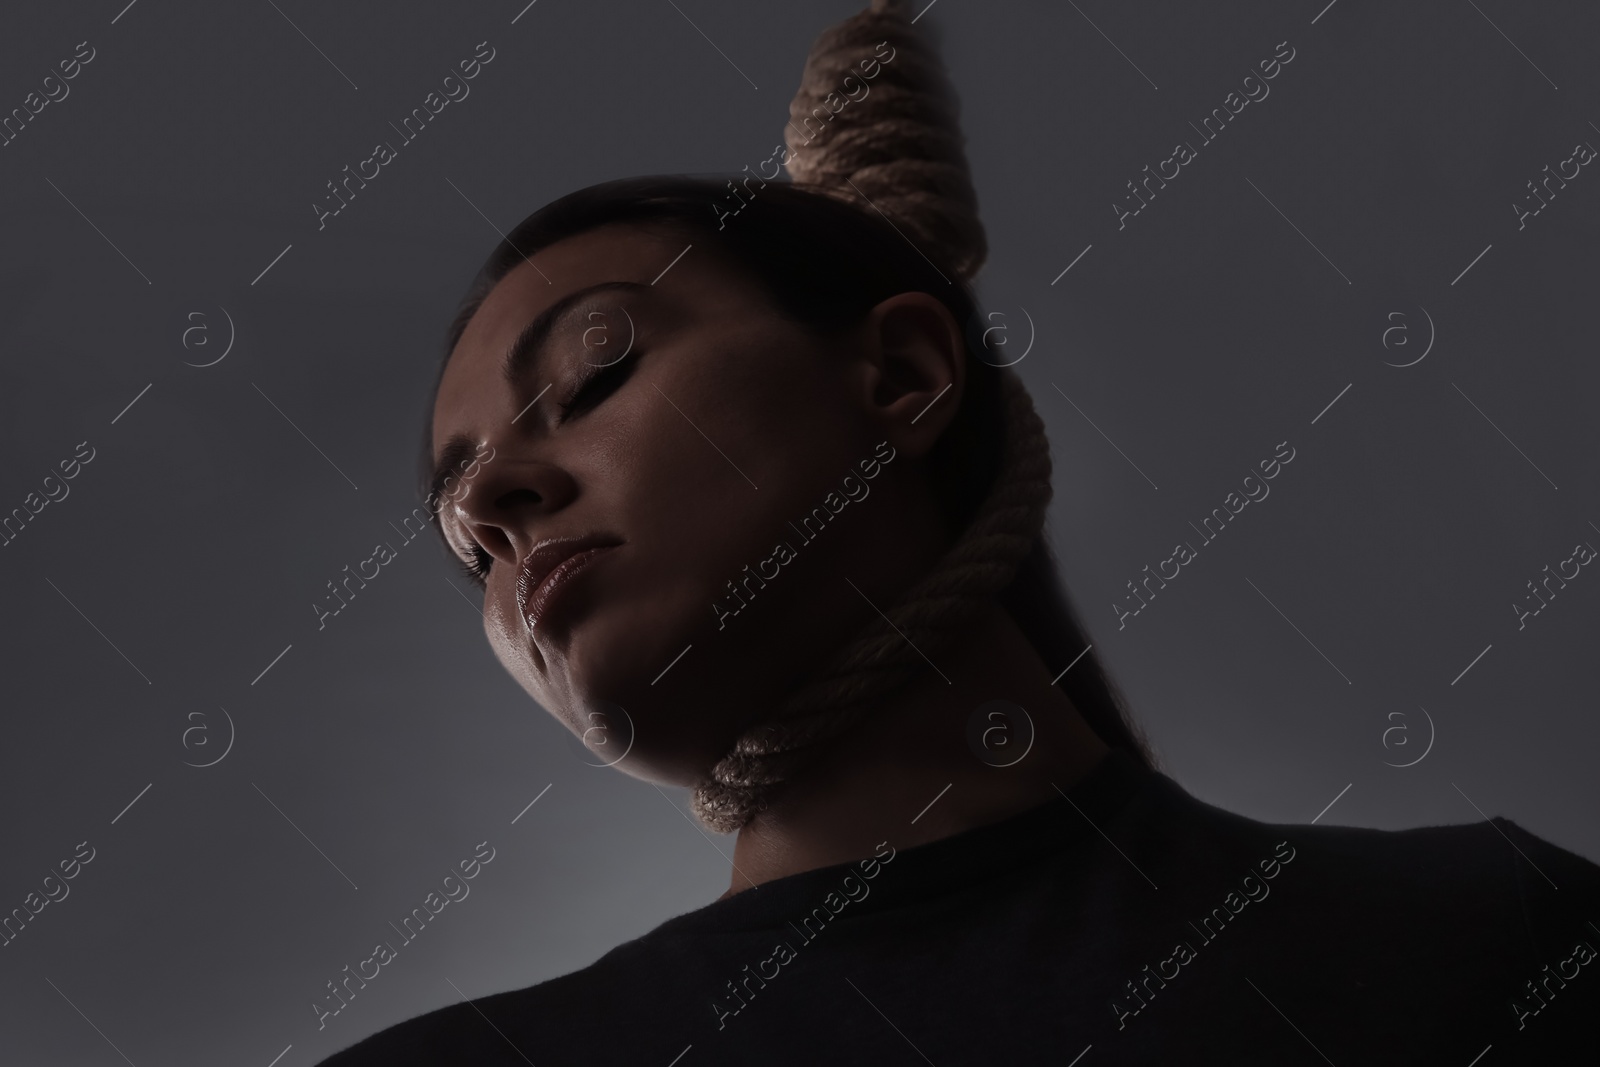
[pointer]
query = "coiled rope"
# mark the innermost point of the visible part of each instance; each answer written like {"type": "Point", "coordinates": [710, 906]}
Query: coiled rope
{"type": "Point", "coordinates": [897, 150]}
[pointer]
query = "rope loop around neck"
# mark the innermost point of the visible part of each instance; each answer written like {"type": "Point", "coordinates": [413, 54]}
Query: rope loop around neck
{"type": "Point", "coordinates": [888, 652]}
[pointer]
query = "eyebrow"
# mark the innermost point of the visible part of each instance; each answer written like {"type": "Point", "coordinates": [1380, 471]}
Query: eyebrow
{"type": "Point", "coordinates": [520, 356]}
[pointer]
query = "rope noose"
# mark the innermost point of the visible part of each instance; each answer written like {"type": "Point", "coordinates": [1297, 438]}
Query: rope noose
{"type": "Point", "coordinates": [892, 139]}
{"type": "Point", "coordinates": [897, 149]}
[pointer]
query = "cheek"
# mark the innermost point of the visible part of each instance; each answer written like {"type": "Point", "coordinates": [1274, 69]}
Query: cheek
{"type": "Point", "coordinates": [668, 466]}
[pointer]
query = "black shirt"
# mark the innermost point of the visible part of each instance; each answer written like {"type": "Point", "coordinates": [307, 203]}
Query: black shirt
{"type": "Point", "coordinates": [1124, 922]}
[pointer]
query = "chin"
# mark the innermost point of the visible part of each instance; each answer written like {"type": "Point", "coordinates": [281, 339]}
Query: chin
{"type": "Point", "coordinates": [611, 653]}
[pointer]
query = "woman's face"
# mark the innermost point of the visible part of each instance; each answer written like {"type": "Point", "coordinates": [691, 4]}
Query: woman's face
{"type": "Point", "coordinates": [700, 428]}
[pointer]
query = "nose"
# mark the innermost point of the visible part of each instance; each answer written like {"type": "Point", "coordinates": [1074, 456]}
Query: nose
{"type": "Point", "coordinates": [506, 504]}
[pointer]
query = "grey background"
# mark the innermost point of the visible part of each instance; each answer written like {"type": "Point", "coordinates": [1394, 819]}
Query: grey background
{"type": "Point", "coordinates": [1197, 338]}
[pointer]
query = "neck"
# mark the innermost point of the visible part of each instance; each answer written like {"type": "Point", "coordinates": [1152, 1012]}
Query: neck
{"type": "Point", "coordinates": [887, 778]}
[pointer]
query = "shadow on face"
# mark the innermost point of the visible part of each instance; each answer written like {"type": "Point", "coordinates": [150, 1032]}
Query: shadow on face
{"type": "Point", "coordinates": [695, 465]}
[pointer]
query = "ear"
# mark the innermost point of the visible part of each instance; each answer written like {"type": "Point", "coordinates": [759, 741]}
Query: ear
{"type": "Point", "coordinates": [915, 362]}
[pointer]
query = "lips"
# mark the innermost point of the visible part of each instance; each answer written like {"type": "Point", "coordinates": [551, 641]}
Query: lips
{"type": "Point", "coordinates": [548, 569]}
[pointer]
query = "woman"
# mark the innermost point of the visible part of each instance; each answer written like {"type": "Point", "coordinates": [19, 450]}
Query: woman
{"type": "Point", "coordinates": [755, 512]}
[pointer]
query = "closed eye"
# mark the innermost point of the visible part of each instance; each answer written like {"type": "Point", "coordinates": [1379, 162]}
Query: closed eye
{"type": "Point", "coordinates": [595, 386]}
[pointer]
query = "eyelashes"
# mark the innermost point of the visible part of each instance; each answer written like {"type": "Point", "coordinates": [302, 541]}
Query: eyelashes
{"type": "Point", "coordinates": [476, 567]}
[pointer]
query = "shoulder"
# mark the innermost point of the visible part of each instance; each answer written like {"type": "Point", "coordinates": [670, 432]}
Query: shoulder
{"type": "Point", "coordinates": [1489, 850]}
{"type": "Point", "coordinates": [1521, 886]}
{"type": "Point", "coordinates": [1491, 857]}
{"type": "Point", "coordinates": [1517, 895]}
{"type": "Point", "coordinates": [1444, 935]}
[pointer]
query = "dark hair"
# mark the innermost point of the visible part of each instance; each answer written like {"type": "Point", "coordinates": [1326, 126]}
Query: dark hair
{"type": "Point", "coordinates": [826, 263]}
